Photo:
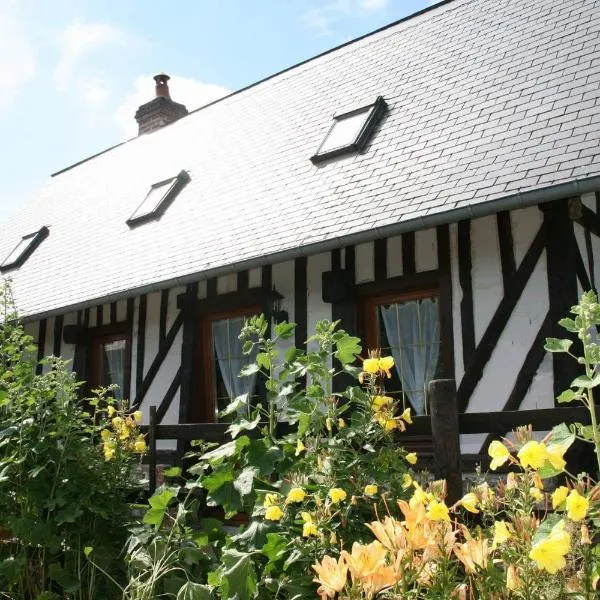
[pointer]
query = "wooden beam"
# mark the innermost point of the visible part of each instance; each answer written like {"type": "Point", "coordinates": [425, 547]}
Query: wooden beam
{"type": "Point", "coordinates": [445, 287]}
{"type": "Point", "coordinates": [188, 317]}
{"type": "Point", "coordinates": [99, 315]}
{"type": "Point", "coordinates": [41, 345]}
{"type": "Point", "coordinates": [164, 309]}
{"type": "Point", "coordinates": [582, 274]}
{"type": "Point", "coordinates": [300, 301]}
{"type": "Point", "coordinates": [408, 253]}
{"type": "Point", "coordinates": [113, 312]}
{"type": "Point", "coordinates": [507, 247]}
{"type": "Point", "coordinates": [380, 259]}
{"type": "Point", "coordinates": [58, 327]}
{"type": "Point", "coordinates": [589, 220]}
{"type": "Point", "coordinates": [590, 257]}
{"type": "Point", "coordinates": [467, 318]}
{"type": "Point", "coordinates": [489, 339]}
{"type": "Point", "coordinates": [141, 345]}
{"type": "Point", "coordinates": [168, 397]}
{"type": "Point", "coordinates": [242, 280]}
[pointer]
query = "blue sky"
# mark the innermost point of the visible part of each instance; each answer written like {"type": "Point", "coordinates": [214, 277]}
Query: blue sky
{"type": "Point", "coordinates": [74, 71]}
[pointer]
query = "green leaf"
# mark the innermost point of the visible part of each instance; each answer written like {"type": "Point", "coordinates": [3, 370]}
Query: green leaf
{"type": "Point", "coordinates": [227, 450]}
{"type": "Point", "coordinates": [347, 349]}
{"type": "Point", "coordinates": [303, 424]}
{"type": "Point", "coordinates": [243, 425]}
{"type": "Point", "coordinates": [88, 550]}
{"type": "Point", "coordinates": [291, 354]}
{"type": "Point", "coordinates": [263, 457]}
{"type": "Point", "coordinates": [275, 547]}
{"type": "Point", "coordinates": [249, 370]}
{"type": "Point", "coordinates": [222, 491]}
{"type": "Point", "coordinates": [194, 591]}
{"type": "Point", "coordinates": [557, 345]}
{"type": "Point", "coordinates": [263, 359]}
{"type": "Point", "coordinates": [172, 472]}
{"type": "Point", "coordinates": [285, 330]}
{"type": "Point", "coordinates": [244, 481]}
{"type": "Point", "coordinates": [583, 381]}
{"type": "Point", "coordinates": [567, 396]}
{"type": "Point", "coordinates": [238, 580]}
{"type": "Point", "coordinates": [235, 405]}
{"type": "Point", "coordinates": [546, 526]}
{"type": "Point", "coordinates": [562, 436]}
{"type": "Point", "coordinates": [159, 503]}
{"type": "Point", "coordinates": [569, 325]}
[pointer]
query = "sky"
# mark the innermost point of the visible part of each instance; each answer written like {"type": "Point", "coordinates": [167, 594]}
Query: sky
{"type": "Point", "coordinates": [75, 71]}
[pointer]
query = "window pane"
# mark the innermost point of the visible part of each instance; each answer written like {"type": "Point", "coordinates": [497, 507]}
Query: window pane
{"type": "Point", "coordinates": [229, 361]}
{"type": "Point", "coordinates": [112, 365]}
{"type": "Point", "coordinates": [153, 199]}
{"type": "Point", "coordinates": [344, 131]}
{"type": "Point", "coordinates": [19, 249]}
{"type": "Point", "coordinates": [410, 332]}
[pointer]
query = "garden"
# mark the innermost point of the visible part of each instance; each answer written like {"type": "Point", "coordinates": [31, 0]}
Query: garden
{"type": "Point", "coordinates": [313, 497]}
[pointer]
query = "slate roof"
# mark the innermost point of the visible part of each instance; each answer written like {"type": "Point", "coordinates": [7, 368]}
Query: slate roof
{"type": "Point", "coordinates": [487, 98]}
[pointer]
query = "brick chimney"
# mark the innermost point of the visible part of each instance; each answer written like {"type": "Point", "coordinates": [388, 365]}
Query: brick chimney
{"type": "Point", "coordinates": [160, 111]}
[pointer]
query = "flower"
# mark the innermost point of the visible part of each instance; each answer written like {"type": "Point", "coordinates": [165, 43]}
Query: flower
{"type": "Point", "coordinates": [337, 495]}
{"type": "Point", "coordinates": [381, 402]}
{"type": "Point", "coordinates": [577, 506]}
{"type": "Point", "coordinates": [511, 481]}
{"type": "Point", "coordinates": [295, 495]}
{"type": "Point", "coordinates": [559, 496]}
{"type": "Point", "coordinates": [137, 416]}
{"type": "Point", "coordinates": [406, 416]}
{"type": "Point", "coordinates": [273, 513]}
{"type": "Point", "coordinates": [105, 434]}
{"type": "Point", "coordinates": [341, 423]}
{"type": "Point", "coordinates": [549, 553]}
{"type": "Point", "coordinates": [139, 445]}
{"type": "Point", "coordinates": [110, 449]}
{"type": "Point", "coordinates": [331, 574]}
{"type": "Point", "coordinates": [370, 490]}
{"type": "Point", "coordinates": [499, 454]}
{"type": "Point", "coordinates": [309, 529]}
{"type": "Point", "coordinates": [371, 365]}
{"type": "Point", "coordinates": [536, 494]}
{"type": "Point", "coordinates": [117, 423]}
{"type": "Point", "coordinates": [270, 500]}
{"type": "Point", "coordinates": [555, 456]}
{"type": "Point", "coordinates": [501, 533]}
{"type": "Point", "coordinates": [437, 511]}
{"type": "Point", "coordinates": [385, 364]}
{"type": "Point", "coordinates": [111, 410]}
{"type": "Point", "coordinates": [533, 454]}
{"type": "Point", "coordinates": [365, 559]}
{"type": "Point", "coordinates": [390, 532]}
{"type": "Point", "coordinates": [470, 501]}
{"type": "Point", "coordinates": [473, 553]}
{"type": "Point", "coordinates": [411, 458]}
{"type": "Point", "coordinates": [407, 481]}
{"type": "Point", "coordinates": [300, 447]}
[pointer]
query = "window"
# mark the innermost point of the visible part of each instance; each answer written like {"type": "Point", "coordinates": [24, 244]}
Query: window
{"type": "Point", "coordinates": [350, 131]}
{"type": "Point", "coordinates": [407, 327]}
{"type": "Point", "coordinates": [223, 359]}
{"type": "Point", "coordinates": [109, 360]}
{"type": "Point", "coordinates": [158, 199]}
{"type": "Point", "coordinates": [23, 250]}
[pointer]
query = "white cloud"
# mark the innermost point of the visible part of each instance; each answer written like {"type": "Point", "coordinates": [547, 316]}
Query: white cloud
{"type": "Point", "coordinates": [17, 56]}
{"type": "Point", "coordinates": [95, 91]}
{"type": "Point", "coordinates": [191, 92]}
{"type": "Point", "coordinates": [79, 40]}
{"type": "Point", "coordinates": [322, 17]}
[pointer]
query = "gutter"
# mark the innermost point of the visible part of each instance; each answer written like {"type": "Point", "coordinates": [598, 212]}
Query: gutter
{"type": "Point", "coordinates": [514, 201]}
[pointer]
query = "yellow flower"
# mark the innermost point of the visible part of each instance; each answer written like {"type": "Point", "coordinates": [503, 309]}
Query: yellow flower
{"type": "Point", "coordinates": [499, 454]}
{"type": "Point", "coordinates": [577, 506]}
{"type": "Point", "coordinates": [420, 496]}
{"type": "Point", "coordinates": [365, 559]}
{"type": "Point", "coordinates": [370, 490]}
{"type": "Point", "coordinates": [385, 364]}
{"type": "Point", "coordinates": [549, 553]}
{"type": "Point", "coordinates": [331, 574]}
{"type": "Point", "coordinates": [555, 456]}
{"type": "Point", "coordinates": [501, 533]}
{"type": "Point", "coordinates": [111, 410]}
{"type": "Point", "coordinates": [407, 481]}
{"type": "Point", "coordinates": [306, 517]}
{"type": "Point", "coordinates": [137, 416]}
{"type": "Point", "coordinates": [273, 513]}
{"type": "Point", "coordinates": [110, 449]}
{"type": "Point", "coordinates": [117, 423]}
{"type": "Point", "coordinates": [437, 511]}
{"type": "Point", "coordinates": [536, 494]}
{"type": "Point", "coordinates": [473, 554]}
{"type": "Point", "coordinates": [337, 495]}
{"type": "Point", "coordinates": [470, 501]}
{"type": "Point", "coordinates": [270, 500]}
{"type": "Point", "coordinates": [406, 416]}
{"type": "Point", "coordinates": [341, 423]}
{"type": "Point", "coordinates": [140, 445]}
{"type": "Point", "coordinates": [559, 496]}
{"type": "Point", "coordinates": [533, 454]}
{"type": "Point", "coordinates": [296, 495]}
{"type": "Point", "coordinates": [309, 529]}
{"type": "Point", "coordinates": [300, 447]}
{"type": "Point", "coordinates": [411, 458]}
{"type": "Point", "coordinates": [381, 402]}
{"type": "Point", "coordinates": [371, 365]}
{"type": "Point", "coordinates": [389, 424]}
{"type": "Point", "coordinates": [513, 581]}
{"type": "Point", "coordinates": [105, 434]}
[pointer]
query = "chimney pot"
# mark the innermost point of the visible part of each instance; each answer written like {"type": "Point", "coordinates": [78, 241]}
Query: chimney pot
{"type": "Point", "coordinates": [162, 85]}
{"type": "Point", "coordinates": [161, 110]}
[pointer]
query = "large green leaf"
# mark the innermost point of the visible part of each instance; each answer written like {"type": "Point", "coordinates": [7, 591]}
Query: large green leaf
{"type": "Point", "coordinates": [159, 503]}
{"type": "Point", "coordinates": [227, 450]}
{"type": "Point", "coordinates": [583, 381]}
{"type": "Point", "coordinates": [239, 579]}
{"type": "Point", "coordinates": [221, 490]}
{"type": "Point", "coordinates": [285, 330]}
{"type": "Point", "coordinates": [235, 405]}
{"type": "Point", "coordinates": [244, 481]}
{"type": "Point", "coordinates": [243, 425]}
{"type": "Point", "coordinates": [557, 345]}
{"type": "Point", "coordinates": [263, 457]}
{"type": "Point", "coordinates": [275, 547]}
{"type": "Point", "coordinates": [194, 591]}
{"type": "Point", "coordinates": [347, 349]}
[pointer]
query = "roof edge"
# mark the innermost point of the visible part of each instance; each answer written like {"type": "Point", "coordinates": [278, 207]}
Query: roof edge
{"type": "Point", "coordinates": [272, 76]}
{"type": "Point", "coordinates": [511, 202]}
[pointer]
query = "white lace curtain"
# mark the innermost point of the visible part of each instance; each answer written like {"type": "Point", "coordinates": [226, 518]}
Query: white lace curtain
{"type": "Point", "coordinates": [230, 358]}
{"type": "Point", "coordinates": [114, 365]}
{"type": "Point", "coordinates": [413, 333]}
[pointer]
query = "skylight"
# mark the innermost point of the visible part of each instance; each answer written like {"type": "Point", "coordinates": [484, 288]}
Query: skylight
{"type": "Point", "coordinates": [158, 199]}
{"type": "Point", "coordinates": [23, 250]}
{"type": "Point", "coordinates": [350, 131]}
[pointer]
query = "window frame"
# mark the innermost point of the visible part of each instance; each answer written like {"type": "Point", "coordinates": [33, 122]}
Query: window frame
{"type": "Point", "coordinates": [96, 338]}
{"type": "Point", "coordinates": [375, 111]}
{"type": "Point", "coordinates": [37, 237]}
{"type": "Point", "coordinates": [178, 182]}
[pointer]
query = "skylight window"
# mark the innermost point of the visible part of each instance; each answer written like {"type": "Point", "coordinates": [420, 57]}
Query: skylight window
{"type": "Point", "coordinates": [23, 250]}
{"type": "Point", "coordinates": [158, 199]}
{"type": "Point", "coordinates": [350, 131]}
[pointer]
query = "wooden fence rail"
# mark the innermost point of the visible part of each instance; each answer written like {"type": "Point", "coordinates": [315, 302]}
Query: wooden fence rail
{"type": "Point", "coordinates": [444, 425]}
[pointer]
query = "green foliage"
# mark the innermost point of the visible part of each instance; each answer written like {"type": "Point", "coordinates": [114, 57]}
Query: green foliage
{"type": "Point", "coordinates": [59, 497]}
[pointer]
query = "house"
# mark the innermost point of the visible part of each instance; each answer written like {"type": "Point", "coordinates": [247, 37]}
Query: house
{"type": "Point", "coordinates": [434, 185]}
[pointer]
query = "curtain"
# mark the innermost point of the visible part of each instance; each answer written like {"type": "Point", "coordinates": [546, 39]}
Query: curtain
{"type": "Point", "coordinates": [113, 360]}
{"type": "Point", "coordinates": [413, 332]}
{"type": "Point", "coordinates": [230, 358]}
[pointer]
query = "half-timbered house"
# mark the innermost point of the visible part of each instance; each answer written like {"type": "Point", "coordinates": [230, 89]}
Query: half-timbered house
{"type": "Point", "coordinates": [432, 185]}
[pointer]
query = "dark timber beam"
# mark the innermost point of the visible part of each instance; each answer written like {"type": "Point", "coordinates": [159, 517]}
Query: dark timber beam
{"type": "Point", "coordinates": [466, 283]}
{"type": "Point", "coordinates": [445, 283]}
{"type": "Point", "coordinates": [188, 352]}
{"type": "Point", "coordinates": [507, 247]}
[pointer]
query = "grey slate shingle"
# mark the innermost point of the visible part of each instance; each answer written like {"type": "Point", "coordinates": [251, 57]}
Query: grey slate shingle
{"type": "Point", "coordinates": [486, 98]}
